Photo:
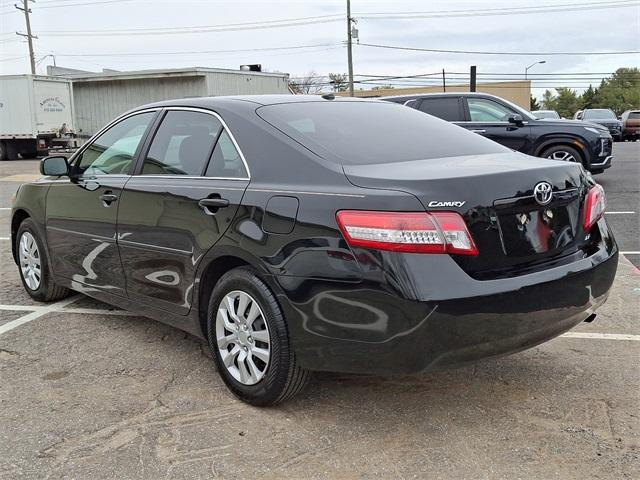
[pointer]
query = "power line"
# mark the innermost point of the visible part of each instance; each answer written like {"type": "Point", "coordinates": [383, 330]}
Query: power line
{"type": "Point", "coordinates": [569, 7]}
{"type": "Point", "coordinates": [259, 25]}
{"type": "Point", "coordinates": [479, 52]}
{"type": "Point", "coordinates": [196, 52]}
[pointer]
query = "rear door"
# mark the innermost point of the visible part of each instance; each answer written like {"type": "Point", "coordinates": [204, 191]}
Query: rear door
{"type": "Point", "coordinates": [82, 209]}
{"type": "Point", "coordinates": [488, 117]}
{"type": "Point", "coordinates": [189, 183]}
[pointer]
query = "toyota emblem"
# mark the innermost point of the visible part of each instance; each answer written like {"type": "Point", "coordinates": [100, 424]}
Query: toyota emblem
{"type": "Point", "coordinates": [543, 193]}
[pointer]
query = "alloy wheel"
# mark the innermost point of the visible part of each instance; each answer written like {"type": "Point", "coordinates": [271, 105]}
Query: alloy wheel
{"type": "Point", "coordinates": [30, 261]}
{"type": "Point", "coordinates": [242, 337]}
{"type": "Point", "coordinates": [562, 155]}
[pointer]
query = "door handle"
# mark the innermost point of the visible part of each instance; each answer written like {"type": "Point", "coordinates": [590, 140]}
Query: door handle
{"type": "Point", "coordinates": [479, 131]}
{"type": "Point", "coordinates": [211, 205]}
{"type": "Point", "coordinates": [108, 198]}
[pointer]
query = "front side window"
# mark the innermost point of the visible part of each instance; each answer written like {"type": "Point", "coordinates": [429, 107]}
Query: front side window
{"type": "Point", "coordinates": [444, 108]}
{"type": "Point", "coordinates": [113, 151]}
{"type": "Point", "coordinates": [484, 110]}
{"type": "Point", "coordinates": [183, 144]}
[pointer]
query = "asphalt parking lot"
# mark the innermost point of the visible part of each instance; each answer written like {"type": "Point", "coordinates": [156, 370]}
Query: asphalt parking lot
{"type": "Point", "coordinates": [90, 392]}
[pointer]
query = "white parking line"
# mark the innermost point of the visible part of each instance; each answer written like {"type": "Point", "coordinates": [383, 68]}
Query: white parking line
{"type": "Point", "coordinates": [620, 213]}
{"type": "Point", "coordinates": [602, 336]}
{"type": "Point", "coordinates": [37, 314]}
{"type": "Point", "coordinates": [5, 208]}
{"type": "Point", "coordinates": [5, 238]}
{"type": "Point", "coordinates": [631, 253]}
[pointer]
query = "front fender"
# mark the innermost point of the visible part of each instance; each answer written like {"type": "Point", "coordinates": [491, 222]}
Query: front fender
{"type": "Point", "coordinates": [575, 141]}
{"type": "Point", "coordinates": [29, 201]}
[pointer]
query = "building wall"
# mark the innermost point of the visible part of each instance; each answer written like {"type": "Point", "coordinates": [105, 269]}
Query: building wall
{"type": "Point", "coordinates": [517, 92]}
{"type": "Point", "coordinates": [245, 84]}
{"type": "Point", "coordinates": [98, 102]}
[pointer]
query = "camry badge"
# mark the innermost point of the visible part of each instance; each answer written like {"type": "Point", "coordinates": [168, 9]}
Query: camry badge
{"type": "Point", "coordinates": [435, 203]}
{"type": "Point", "coordinates": [543, 193]}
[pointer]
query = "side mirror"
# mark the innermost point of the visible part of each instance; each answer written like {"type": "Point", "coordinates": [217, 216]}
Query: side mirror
{"type": "Point", "coordinates": [516, 119]}
{"type": "Point", "coordinates": [54, 166]}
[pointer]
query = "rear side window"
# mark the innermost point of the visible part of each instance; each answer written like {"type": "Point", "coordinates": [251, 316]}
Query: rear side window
{"type": "Point", "coordinates": [226, 161]}
{"type": "Point", "coordinates": [442, 107]}
{"type": "Point", "coordinates": [370, 132]}
{"type": "Point", "coordinates": [183, 144]}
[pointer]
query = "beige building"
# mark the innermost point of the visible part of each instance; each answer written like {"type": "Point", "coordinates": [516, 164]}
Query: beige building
{"type": "Point", "coordinates": [518, 92]}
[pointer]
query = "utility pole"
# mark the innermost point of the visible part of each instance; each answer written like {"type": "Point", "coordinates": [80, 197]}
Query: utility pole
{"type": "Point", "coordinates": [349, 46]}
{"type": "Point", "coordinates": [444, 82]}
{"type": "Point", "coordinates": [472, 79]}
{"type": "Point", "coordinates": [25, 8]}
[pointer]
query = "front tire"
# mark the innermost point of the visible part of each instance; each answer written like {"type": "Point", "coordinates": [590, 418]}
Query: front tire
{"type": "Point", "coordinates": [563, 153]}
{"type": "Point", "coordinates": [33, 265]}
{"type": "Point", "coordinates": [248, 336]}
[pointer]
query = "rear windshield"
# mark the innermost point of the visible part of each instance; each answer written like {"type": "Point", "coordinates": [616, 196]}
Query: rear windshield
{"type": "Point", "coordinates": [599, 113]}
{"type": "Point", "coordinates": [370, 132]}
{"type": "Point", "coordinates": [634, 115]}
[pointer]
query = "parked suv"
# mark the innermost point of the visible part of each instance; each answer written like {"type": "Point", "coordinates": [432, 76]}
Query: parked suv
{"type": "Point", "coordinates": [514, 127]}
{"type": "Point", "coordinates": [606, 118]}
{"type": "Point", "coordinates": [631, 125]}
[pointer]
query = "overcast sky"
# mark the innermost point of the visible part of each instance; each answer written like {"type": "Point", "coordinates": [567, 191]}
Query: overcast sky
{"type": "Point", "coordinates": [611, 29]}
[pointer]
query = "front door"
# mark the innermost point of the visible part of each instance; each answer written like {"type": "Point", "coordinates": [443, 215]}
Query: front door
{"type": "Point", "coordinates": [488, 118]}
{"type": "Point", "coordinates": [184, 197]}
{"type": "Point", "coordinates": [81, 210]}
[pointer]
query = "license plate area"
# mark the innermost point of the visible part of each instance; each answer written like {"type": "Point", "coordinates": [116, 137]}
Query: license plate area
{"type": "Point", "coordinates": [527, 228]}
{"type": "Point", "coordinates": [536, 231]}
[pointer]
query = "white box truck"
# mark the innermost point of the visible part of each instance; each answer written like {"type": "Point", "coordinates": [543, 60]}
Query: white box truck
{"type": "Point", "coordinates": [36, 115]}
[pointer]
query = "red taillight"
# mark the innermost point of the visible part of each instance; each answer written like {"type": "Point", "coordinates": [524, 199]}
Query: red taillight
{"type": "Point", "coordinates": [417, 232]}
{"type": "Point", "coordinates": [594, 206]}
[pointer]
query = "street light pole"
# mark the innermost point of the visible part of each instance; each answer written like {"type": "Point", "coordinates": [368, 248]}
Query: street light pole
{"type": "Point", "coordinates": [533, 64]}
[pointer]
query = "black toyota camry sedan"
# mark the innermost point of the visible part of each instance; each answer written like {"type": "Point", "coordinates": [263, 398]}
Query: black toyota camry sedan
{"type": "Point", "coordinates": [298, 234]}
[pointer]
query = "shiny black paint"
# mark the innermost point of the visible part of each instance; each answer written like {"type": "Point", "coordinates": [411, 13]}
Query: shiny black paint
{"type": "Point", "coordinates": [353, 310]}
{"type": "Point", "coordinates": [163, 233]}
{"type": "Point", "coordinates": [532, 138]}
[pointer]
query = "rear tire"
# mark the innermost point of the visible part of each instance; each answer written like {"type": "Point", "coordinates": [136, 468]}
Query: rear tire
{"type": "Point", "coordinates": [563, 153]}
{"type": "Point", "coordinates": [241, 306]}
{"type": "Point", "coordinates": [33, 265]}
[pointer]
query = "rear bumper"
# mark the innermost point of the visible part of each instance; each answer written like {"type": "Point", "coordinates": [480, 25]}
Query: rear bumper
{"type": "Point", "coordinates": [370, 327]}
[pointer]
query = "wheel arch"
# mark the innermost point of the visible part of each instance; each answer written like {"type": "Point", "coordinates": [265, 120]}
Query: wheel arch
{"type": "Point", "coordinates": [19, 216]}
{"type": "Point", "coordinates": [213, 268]}
{"type": "Point", "coordinates": [573, 142]}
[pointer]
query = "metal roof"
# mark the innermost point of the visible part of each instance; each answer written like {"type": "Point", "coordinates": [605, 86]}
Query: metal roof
{"type": "Point", "coordinates": [164, 73]}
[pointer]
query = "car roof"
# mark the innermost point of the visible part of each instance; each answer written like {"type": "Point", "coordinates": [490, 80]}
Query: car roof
{"type": "Point", "coordinates": [262, 100]}
{"type": "Point", "coordinates": [440, 94]}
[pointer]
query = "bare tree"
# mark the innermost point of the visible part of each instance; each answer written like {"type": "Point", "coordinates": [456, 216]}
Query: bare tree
{"type": "Point", "coordinates": [311, 83]}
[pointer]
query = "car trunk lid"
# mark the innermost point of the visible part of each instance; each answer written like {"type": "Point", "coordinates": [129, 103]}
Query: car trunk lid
{"type": "Point", "coordinates": [495, 195]}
